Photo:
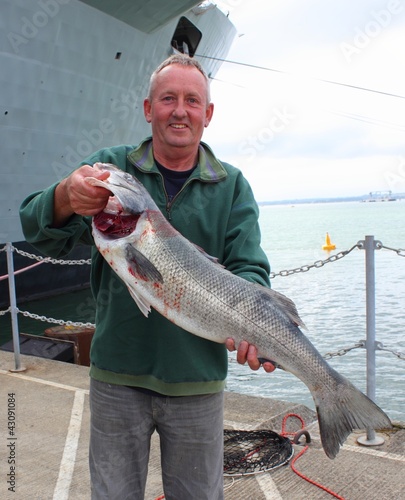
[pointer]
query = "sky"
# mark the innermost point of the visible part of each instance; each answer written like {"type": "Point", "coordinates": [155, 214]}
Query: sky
{"type": "Point", "coordinates": [293, 134]}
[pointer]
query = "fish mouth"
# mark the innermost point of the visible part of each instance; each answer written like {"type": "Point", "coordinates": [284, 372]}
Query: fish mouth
{"type": "Point", "coordinates": [115, 225]}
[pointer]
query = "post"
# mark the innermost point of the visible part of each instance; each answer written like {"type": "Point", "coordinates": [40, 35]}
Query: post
{"type": "Point", "coordinates": [370, 316]}
{"type": "Point", "coordinates": [371, 439]}
{"type": "Point", "coordinates": [13, 309]}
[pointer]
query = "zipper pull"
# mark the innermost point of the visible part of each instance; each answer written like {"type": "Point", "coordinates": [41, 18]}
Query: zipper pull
{"type": "Point", "coordinates": [169, 214]}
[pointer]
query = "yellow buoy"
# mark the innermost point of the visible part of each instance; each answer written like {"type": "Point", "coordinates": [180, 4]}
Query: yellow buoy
{"type": "Point", "coordinates": [328, 245]}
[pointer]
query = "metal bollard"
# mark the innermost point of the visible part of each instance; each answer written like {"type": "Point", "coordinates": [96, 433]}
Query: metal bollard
{"type": "Point", "coordinates": [371, 439]}
{"type": "Point", "coordinates": [13, 309]}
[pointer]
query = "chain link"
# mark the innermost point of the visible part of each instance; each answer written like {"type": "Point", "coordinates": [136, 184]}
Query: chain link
{"type": "Point", "coordinates": [48, 260]}
{"type": "Point", "coordinates": [3, 313]}
{"type": "Point", "coordinates": [316, 264]}
{"type": "Point", "coordinates": [344, 350]}
{"type": "Point", "coordinates": [362, 344]}
{"type": "Point", "coordinates": [55, 321]}
{"type": "Point", "coordinates": [398, 354]}
{"type": "Point", "coordinates": [398, 251]}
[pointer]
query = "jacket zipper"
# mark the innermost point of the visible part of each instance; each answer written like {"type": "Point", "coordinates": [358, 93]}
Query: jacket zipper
{"type": "Point", "coordinates": [169, 204]}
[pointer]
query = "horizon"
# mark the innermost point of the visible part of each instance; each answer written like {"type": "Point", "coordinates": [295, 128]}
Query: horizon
{"type": "Point", "coordinates": [336, 199]}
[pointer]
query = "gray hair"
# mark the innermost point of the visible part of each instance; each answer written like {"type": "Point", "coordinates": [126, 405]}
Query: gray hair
{"type": "Point", "coordinates": [182, 60]}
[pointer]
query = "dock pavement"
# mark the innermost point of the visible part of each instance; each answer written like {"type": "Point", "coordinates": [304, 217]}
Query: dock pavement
{"type": "Point", "coordinates": [44, 435]}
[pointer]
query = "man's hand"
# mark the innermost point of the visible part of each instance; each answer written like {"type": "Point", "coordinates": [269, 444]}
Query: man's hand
{"type": "Point", "coordinates": [248, 352]}
{"type": "Point", "coordinates": [75, 195]}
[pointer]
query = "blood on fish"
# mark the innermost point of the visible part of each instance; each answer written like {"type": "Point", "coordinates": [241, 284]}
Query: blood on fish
{"type": "Point", "coordinates": [116, 225]}
{"type": "Point", "coordinates": [160, 226]}
{"type": "Point", "coordinates": [177, 299]}
{"type": "Point", "coordinates": [138, 276]}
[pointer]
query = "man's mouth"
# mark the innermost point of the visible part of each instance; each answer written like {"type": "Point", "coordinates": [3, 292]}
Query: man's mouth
{"type": "Point", "coordinates": [178, 125]}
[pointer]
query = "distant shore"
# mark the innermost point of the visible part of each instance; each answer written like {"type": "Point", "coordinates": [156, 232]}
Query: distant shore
{"type": "Point", "coordinates": [362, 198]}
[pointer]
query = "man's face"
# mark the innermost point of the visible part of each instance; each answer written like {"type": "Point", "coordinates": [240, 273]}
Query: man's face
{"type": "Point", "coordinates": [178, 110]}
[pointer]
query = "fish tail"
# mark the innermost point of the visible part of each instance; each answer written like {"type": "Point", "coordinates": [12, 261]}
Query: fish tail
{"type": "Point", "coordinates": [344, 410]}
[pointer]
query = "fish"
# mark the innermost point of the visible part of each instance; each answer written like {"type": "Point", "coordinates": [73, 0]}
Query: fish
{"type": "Point", "coordinates": [163, 270]}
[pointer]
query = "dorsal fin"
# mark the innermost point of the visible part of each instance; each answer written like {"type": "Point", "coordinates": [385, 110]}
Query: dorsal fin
{"type": "Point", "coordinates": [208, 256]}
{"type": "Point", "coordinates": [286, 305]}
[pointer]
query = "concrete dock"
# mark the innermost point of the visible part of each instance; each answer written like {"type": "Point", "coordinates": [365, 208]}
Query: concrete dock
{"type": "Point", "coordinates": [44, 422]}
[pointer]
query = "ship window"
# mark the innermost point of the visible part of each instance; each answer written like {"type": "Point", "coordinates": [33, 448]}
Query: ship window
{"type": "Point", "coordinates": [186, 37]}
{"type": "Point", "coordinates": [118, 55]}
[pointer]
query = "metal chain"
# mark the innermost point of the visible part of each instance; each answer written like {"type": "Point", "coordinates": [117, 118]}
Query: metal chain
{"type": "Point", "coordinates": [285, 272]}
{"type": "Point", "coordinates": [302, 269]}
{"type": "Point", "coordinates": [48, 260]}
{"type": "Point", "coordinates": [3, 313]}
{"type": "Point", "coordinates": [344, 351]}
{"type": "Point", "coordinates": [398, 251]}
{"type": "Point", "coordinates": [316, 264]}
{"type": "Point", "coordinates": [56, 321]}
{"type": "Point", "coordinates": [400, 355]}
{"type": "Point", "coordinates": [328, 355]}
{"type": "Point", "coordinates": [362, 344]}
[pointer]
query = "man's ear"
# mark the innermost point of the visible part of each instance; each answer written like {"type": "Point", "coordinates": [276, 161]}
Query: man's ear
{"type": "Point", "coordinates": [147, 110]}
{"type": "Point", "coordinates": [208, 114]}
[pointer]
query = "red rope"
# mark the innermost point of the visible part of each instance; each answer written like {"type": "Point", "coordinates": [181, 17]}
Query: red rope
{"type": "Point", "coordinates": [302, 476]}
{"type": "Point", "coordinates": [311, 481]}
{"type": "Point", "coordinates": [283, 425]}
{"type": "Point", "coordinates": [5, 276]}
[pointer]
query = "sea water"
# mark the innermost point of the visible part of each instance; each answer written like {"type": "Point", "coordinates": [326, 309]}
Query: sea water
{"type": "Point", "coordinates": [331, 299]}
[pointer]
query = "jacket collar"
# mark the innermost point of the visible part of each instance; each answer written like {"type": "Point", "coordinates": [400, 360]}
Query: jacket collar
{"type": "Point", "coordinates": [209, 168]}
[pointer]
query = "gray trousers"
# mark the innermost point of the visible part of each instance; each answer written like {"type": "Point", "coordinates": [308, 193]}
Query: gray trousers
{"type": "Point", "coordinates": [191, 442]}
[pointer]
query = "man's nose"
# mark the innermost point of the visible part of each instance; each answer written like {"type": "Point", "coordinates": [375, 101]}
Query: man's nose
{"type": "Point", "coordinates": [180, 108]}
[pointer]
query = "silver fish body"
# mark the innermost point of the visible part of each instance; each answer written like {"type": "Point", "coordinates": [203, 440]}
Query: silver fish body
{"type": "Point", "coordinates": [165, 271]}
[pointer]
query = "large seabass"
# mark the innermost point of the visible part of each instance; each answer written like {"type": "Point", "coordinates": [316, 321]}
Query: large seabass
{"type": "Point", "coordinates": [164, 270]}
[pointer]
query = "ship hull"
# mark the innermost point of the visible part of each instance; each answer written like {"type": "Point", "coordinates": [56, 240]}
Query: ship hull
{"type": "Point", "coordinates": [74, 78]}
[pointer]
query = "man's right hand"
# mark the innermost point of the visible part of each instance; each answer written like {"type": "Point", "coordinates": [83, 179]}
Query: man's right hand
{"type": "Point", "coordinates": [248, 353]}
{"type": "Point", "coordinates": [75, 195]}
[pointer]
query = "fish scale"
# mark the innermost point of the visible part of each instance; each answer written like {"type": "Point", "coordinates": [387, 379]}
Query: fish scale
{"type": "Point", "coordinates": [205, 286]}
{"type": "Point", "coordinates": [165, 271]}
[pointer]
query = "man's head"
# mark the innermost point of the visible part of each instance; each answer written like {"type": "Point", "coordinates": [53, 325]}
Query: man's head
{"type": "Point", "coordinates": [178, 105]}
{"type": "Point", "coordinates": [182, 60]}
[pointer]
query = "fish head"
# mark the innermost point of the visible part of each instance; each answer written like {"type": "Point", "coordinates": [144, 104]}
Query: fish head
{"type": "Point", "coordinates": [129, 200]}
{"type": "Point", "coordinates": [127, 190]}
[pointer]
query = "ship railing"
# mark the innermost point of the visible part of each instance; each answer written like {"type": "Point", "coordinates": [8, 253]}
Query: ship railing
{"type": "Point", "coordinates": [369, 245]}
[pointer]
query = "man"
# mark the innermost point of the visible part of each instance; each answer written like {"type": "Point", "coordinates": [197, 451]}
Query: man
{"type": "Point", "coordinates": [146, 373]}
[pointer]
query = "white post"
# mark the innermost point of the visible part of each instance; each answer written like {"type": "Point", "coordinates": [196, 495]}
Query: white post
{"type": "Point", "coordinates": [13, 309]}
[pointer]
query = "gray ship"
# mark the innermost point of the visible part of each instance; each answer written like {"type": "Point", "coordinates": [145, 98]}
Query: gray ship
{"type": "Point", "coordinates": [74, 74]}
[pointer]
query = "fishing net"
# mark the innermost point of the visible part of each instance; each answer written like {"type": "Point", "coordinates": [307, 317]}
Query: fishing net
{"type": "Point", "coordinates": [252, 452]}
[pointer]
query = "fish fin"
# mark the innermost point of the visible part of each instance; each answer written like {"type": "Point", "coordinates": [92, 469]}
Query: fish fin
{"type": "Point", "coordinates": [141, 267]}
{"type": "Point", "coordinates": [343, 409]}
{"type": "Point", "coordinates": [143, 305]}
{"type": "Point", "coordinates": [97, 182]}
{"type": "Point", "coordinates": [286, 305]}
{"type": "Point", "coordinates": [207, 255]}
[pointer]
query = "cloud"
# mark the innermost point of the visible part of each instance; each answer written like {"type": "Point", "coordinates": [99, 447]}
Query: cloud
{"type": "Point", "coordinates": [295, 118]}
{"type": "Point", "coordinates": [276, 179]}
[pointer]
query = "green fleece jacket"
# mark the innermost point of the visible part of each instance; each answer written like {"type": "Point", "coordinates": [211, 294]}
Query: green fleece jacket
{"type": "Point", "coordinates": [216, 210]}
